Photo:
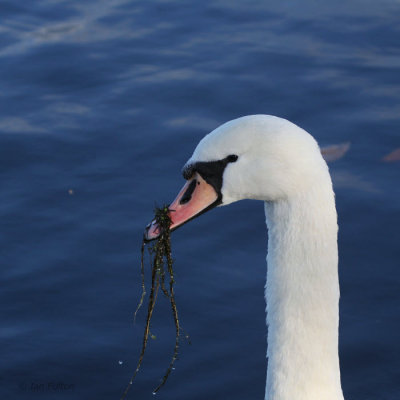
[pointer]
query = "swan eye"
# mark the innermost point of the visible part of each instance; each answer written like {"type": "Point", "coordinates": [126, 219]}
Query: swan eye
{"type": "Point", "coordinates": [232, 158]}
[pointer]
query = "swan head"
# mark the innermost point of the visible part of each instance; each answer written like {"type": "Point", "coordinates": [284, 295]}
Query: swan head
{"type": "Point", "coordinates": [254, 157]}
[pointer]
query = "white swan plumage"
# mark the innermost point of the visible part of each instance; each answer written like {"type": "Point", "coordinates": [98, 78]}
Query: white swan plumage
{"type": "Point", "coordinates": [271, 159]}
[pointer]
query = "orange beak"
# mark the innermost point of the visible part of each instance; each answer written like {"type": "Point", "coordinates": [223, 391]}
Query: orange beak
{"type": "Point", "coordinates": [196, 197]}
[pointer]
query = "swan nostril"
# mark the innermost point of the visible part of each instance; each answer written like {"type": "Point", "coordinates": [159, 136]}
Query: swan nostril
{"type": "Point", "coordinates": [188, 194]}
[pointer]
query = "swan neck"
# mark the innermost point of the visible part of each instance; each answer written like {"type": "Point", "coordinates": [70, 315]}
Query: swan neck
{"type": "Point", "coordinates": [302, 296]}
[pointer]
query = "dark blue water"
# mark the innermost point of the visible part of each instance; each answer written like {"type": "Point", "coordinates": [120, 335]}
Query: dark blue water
{"type": "Point", "coordinates": [101, 104]}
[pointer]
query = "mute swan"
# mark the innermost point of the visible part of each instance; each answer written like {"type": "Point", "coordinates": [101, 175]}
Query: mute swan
{"type": "Point", "coordinates": [271, 159]}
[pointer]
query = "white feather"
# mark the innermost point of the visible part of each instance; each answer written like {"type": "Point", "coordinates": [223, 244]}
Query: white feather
{"type": "Point", "coordinates": [282, 165]}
